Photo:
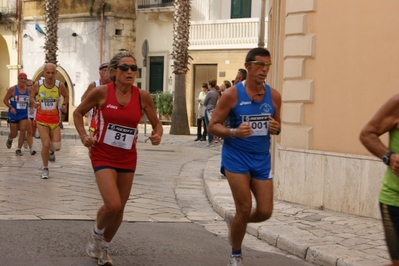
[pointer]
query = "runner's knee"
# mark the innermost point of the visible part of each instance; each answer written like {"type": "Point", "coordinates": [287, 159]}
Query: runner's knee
{"type": "Point", "coordinates": [265, 215]}
{"type": "Point", "coordinates": [56, 146]}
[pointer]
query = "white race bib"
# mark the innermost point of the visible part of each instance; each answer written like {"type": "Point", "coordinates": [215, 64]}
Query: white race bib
{"type": "Point", "coordinates": [48, 104]}
{"type": "Point", "coordinates": [22, 105]}
{"type": "Point", "coordinates": [22, 101]}
{"type": "Point", "coordinates": [120, 136]}
{"type": "Point", "coordinates": [258, 123]}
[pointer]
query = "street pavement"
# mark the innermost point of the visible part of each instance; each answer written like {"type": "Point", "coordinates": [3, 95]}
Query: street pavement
{"type": "Point", "coordinates": [321, 237]}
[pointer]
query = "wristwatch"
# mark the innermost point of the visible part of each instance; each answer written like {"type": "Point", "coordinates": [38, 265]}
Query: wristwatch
{"type": "Point", "coordinates": [387, 157]}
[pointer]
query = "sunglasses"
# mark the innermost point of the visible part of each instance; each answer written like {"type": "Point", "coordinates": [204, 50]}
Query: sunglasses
{"type": "Point", "coordinates": [126, 67]}
{"type": "Point", "coordinates": [260, 64]}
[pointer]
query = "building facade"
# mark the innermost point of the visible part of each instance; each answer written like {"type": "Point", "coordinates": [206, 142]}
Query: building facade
{"type": "Point", "coordinates": [9, 48]}
{"type": "Point", "coordinates": [221, 33]}
{"type": "Point", "coordinates": [333, 72]}
{"type": "Point", "coordinates": [85, 40]}
{"type": "Point", "coordinates": [220, 37]}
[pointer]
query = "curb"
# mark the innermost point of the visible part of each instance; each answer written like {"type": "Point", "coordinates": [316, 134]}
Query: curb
{"type": "Point", "coordinates": [312, 245]}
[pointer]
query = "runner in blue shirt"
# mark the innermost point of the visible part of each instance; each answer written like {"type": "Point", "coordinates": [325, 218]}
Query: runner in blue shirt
{"type": "Point", "coordinates": [244, 117]}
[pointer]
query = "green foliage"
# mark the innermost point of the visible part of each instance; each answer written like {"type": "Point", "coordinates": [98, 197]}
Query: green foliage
{"type": "Point", "coordinates": [163, 102]}
{"type": "Point", "coordinates": [102, 6]}
{"type": "Point", "coordinates": [155, 100]}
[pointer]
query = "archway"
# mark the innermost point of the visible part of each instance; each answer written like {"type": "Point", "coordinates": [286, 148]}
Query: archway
{"type": "Point", "coordinates": [4, 71]}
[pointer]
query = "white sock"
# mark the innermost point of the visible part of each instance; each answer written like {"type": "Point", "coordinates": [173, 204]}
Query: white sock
{"type": "Point", "coordinates": [104, 244]}
{"type": "Point", "coordinates": [98, 231]}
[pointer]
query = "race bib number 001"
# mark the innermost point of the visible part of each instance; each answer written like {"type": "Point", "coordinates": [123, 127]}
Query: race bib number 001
{"type": "Point", "coordinates": [120, 136]}
{"type": "Point", "coordinates": [258, 123]}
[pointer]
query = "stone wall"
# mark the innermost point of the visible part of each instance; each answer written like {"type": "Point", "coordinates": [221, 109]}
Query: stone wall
{"type": "Point", "coordinates": [335, 181]}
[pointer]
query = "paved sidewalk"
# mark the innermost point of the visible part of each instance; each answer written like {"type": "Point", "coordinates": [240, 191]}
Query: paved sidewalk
{"type": "Point", "coordinates": [319, 236]}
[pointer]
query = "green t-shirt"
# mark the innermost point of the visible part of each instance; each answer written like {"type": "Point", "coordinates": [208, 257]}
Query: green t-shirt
{"type": "Point", "coordinates": [389, 193]}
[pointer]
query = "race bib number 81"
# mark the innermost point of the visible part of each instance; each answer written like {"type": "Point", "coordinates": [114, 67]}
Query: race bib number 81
{"type": "Point", "coordinates": [120, 136]}
{"type": "Point", "coordinates": [258, 123]}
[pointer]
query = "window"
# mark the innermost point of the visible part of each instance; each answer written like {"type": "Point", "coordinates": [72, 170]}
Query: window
{"type": "Point", "coordinates": [240, 8]}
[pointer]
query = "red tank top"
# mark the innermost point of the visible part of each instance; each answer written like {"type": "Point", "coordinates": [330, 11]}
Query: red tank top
{"type": "Point", "coordinates": [116, 131]}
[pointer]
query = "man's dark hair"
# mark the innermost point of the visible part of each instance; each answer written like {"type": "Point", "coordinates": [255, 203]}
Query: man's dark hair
{"type": "Point", "coordinates": [243, 73]}
{"type": "Point", "coordinates": [256, 52]}
{"type": "Point", "coordinates": [212, 83]}
{"type": "Point", "coordinates": [227, 83]}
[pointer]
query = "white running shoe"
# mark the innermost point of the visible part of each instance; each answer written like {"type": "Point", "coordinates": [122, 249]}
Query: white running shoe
{"type": "Point", "coordinates": [236, 260]}
{"type": "Point", "coordinates": [25, 144]}
{"type": "Point", "coordinates": [45, 173]}
{"type": "Point", "coordinates": [93, 247]}
{"type": "Point", "coordinates": [105, 259]}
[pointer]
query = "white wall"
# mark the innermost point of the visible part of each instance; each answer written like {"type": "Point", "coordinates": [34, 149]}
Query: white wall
{"type": "Point", "coordinates": [219, 9]}
{"type": "Point", "coordinates": [79, 56]}
{"type": "Point", "coordinates": [159, 35]}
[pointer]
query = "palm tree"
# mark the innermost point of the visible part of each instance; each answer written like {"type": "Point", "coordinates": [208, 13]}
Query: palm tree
{"type": "Point", "coordinates": [102, 7]}
{"type": "Point", "coordinates": [51, 43]}
{"type": "Point", "coordinates": [181, 31]}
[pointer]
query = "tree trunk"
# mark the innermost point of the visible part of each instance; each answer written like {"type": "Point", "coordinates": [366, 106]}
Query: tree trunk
{"type": "Point", "coordinates": [51, 43]}
{"type": "Point", "coordinates": [179, 125]}
{"type": "Point", "coordinates": [181, 32]}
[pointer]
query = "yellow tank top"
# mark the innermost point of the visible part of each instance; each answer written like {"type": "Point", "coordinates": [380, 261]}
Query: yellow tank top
{"type": "Point", "coordinates": [48, 99]}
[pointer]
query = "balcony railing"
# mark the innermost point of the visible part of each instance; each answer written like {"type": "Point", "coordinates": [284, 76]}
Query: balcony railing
{"type": "Point", "coordinates": [141, 4]}
{"type": "Point", "coordinates": [225, 34]}
{"type": "Point", "coordinates": [8, 9]}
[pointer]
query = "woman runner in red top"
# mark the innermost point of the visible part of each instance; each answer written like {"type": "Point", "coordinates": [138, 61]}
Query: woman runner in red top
{"type": "Point", "coordinates": [119, 107]}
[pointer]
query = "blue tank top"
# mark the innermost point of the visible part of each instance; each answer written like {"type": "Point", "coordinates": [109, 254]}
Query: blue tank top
{"type": "Point", "coordinates": [20, 103]}
{"type": "Point", "coordinates": [257, 115]}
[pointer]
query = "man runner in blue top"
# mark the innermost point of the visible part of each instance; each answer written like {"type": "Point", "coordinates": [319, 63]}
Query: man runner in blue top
{"type": "Point", "coordinates": [245, 116]}
{"type": "Point", "coordinates": [17, 100]}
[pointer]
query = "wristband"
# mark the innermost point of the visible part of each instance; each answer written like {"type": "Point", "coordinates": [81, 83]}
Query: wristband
{"type": "Point", "coordinates": [233, 132]}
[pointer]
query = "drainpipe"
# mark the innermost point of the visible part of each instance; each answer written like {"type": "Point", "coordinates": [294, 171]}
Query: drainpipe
{"type": "Point", "coordinates": [102, 6]}
{"type": "Point", "coordinates": [261, 41]}
{"type": "Point", "coordinates": [18, 36]}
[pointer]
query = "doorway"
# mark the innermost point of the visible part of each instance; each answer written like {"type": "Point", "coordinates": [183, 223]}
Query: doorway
{"type": "Point", "coordinates": [202, 74]}
{"type": "Point", "coordinates": [156, 74]}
